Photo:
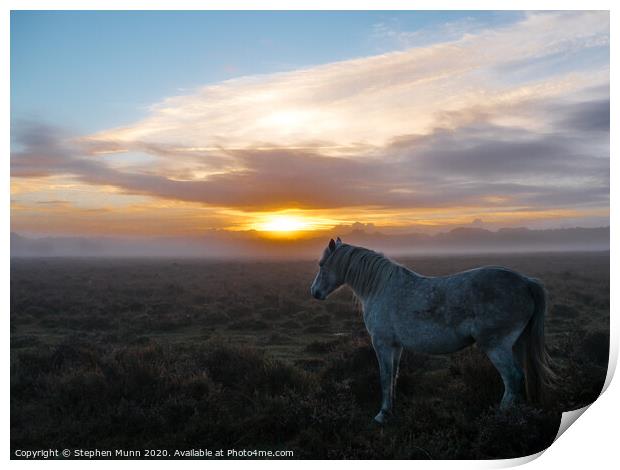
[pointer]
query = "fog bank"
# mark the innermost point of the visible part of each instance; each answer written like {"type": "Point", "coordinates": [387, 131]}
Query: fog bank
{"type": "Point", "coordinates": [226, 244]}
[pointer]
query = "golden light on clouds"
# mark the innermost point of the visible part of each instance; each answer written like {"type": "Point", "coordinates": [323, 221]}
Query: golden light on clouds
{"type": "Point", "coordinates": [428, 137]}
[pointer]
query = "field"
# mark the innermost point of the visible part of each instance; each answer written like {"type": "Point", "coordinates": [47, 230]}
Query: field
{"type": "Point", "coordinates": [185, 354]}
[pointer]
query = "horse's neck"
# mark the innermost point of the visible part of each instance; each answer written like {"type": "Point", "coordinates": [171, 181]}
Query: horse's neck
{"type": "Point", "coordinates": [365, 283]}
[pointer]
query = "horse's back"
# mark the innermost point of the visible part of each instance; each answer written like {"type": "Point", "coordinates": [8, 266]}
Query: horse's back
{"type": "Point", "coordinates": [450, 312]}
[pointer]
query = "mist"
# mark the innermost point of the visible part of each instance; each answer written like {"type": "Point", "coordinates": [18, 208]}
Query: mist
{"type": "Point", "coordinates": [222, 244]}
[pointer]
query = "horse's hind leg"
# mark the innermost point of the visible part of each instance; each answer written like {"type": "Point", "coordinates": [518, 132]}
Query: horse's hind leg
{"type": "Point", "coordinates": [503, 359]}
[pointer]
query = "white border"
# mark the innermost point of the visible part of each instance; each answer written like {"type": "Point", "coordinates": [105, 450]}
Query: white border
{"type": "Point", "coordinates": [591, 443]}
{"type": "Point", "coordinates": [307, 5]}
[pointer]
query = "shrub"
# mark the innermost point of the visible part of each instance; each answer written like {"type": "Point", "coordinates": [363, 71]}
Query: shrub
{"type": "Point", "coordinates": [595, 346]}
{"type": "Point", "coordinates": [516, 432]}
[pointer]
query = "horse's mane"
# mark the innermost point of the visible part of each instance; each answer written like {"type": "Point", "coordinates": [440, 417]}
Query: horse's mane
{"type": "Point", "coordinates": [366, 271]}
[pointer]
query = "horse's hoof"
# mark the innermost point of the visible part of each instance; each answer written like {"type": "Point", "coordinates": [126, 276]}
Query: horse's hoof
{"type": "Point", "coordinates": [381, 419]}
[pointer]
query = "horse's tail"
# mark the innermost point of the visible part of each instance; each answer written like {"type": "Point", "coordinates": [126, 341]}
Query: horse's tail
{"type": "Point", "coordinates": [531, 350]}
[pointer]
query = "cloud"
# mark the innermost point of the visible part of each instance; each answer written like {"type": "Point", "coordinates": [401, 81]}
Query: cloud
{"type": "Point", "coordinates": [390, 33]}
{"type": "Point", "coordinates": [338, 106]}
{"type": "Point", "coordinates": [593, 116]}
{"type": "Point", "coordinates": [465, 166]}
{"type": "Point", "coordinates": [436, 126]}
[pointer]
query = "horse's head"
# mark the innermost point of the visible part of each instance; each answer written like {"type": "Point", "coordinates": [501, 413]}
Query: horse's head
{"type": "Point", "coordinates": [328, 279]}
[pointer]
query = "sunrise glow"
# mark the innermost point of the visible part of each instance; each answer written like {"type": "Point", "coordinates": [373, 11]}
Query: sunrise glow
{"type": "Point", "coordinates": [421, 123]}
{"type": "Point", "coordinates": [283, 224]}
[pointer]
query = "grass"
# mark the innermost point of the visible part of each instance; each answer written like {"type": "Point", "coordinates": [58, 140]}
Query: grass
{"type": "Point", "coordinates": [182, 354]}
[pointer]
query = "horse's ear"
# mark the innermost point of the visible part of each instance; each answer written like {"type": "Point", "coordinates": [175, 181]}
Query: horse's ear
{"type": "Point", "coordinates": [332, 245]}
{"type": "Point", "coordinates": [338, 241]}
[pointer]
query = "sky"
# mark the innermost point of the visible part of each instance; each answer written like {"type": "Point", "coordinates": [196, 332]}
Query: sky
{"type": "Point", "coordinates": [290, 123]}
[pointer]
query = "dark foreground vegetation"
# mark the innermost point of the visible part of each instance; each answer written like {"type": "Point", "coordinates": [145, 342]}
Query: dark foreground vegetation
{"type": "Point", "coordinates": [180, 354]}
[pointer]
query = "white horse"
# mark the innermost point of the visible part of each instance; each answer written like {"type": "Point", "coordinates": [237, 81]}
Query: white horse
{"type": "Point", "coordinates": [499, 309]}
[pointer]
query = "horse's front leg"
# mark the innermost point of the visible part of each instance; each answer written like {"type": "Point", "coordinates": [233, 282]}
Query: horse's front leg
{"type": "Point", "coordinates": [385, 356]}
{"type": "Point", "coordinates": [398, 350]}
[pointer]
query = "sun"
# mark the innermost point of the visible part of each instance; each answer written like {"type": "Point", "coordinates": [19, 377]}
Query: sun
{"type": "Point", "coordinates": [288, 223]}
{"type": "Point", "coordinates": [283, 224]}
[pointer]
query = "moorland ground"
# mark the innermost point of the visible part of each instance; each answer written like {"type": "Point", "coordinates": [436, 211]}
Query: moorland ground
{"type": "Point", "coordinates": [182, 354]}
